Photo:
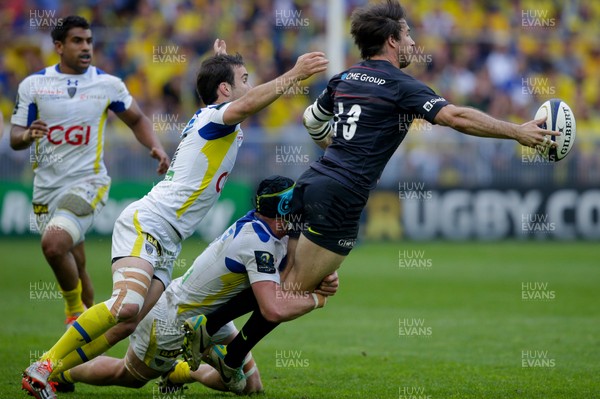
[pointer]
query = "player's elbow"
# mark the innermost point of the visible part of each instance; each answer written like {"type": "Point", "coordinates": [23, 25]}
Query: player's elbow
{"type": "Point", "coordinates": [14, 145]}
{"type": "Point", "coordinates": [16, 140]}
{"type": "Point", "coordinates": [450, 116]}
{"type": "Point", "coordinates": [318, 129]}
{"type": "Point", "coordinates": [273, 314]}
{"type": "Point", "coordinates": [315, 117]}
{"type": "Point", "coordinates": [307, 120]}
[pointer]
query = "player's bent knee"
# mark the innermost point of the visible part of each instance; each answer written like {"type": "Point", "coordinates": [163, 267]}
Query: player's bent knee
{"type": "Point", "coordinates": [52, 248]}
{"type": "Point", "coordinates": [128, 312]}
{"type": "Point", "coordinates": [129, 291]}
{"type": "Point", "coordinates": [56, 243]}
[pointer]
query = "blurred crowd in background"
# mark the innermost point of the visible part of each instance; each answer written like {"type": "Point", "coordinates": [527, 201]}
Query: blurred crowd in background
{"type": "Point", "coordinates": [505, 58]}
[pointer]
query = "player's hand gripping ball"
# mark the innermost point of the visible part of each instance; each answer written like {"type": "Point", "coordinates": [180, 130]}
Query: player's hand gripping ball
{"type": "Point", "coordinates": [559, 118]}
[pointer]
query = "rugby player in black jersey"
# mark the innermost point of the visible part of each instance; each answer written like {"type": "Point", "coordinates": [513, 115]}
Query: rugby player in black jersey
{"type": "Point", "coordinates": [360, 119]}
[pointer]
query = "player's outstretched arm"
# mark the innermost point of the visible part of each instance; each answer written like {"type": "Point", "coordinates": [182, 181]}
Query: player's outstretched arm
{"type": "Point", "coordinates": [476, 123]}
{"type": "Point", "coordinates": [261, 96]}
{"type": "Point", "coordinates": [142, 129]}
{"type": "Point", "coordinates": [21, 137]}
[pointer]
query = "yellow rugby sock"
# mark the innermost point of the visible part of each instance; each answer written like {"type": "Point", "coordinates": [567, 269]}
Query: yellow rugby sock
{"type": "Point", "coordinates": [181, 374]}
{"type": "Point", "coordinates": [81, 355]}
{"type": "Point", "coordinates": [64, 377]}
{"type": "Point", "coordinates": [90, 325]}
{"type": "Point", "coordinates": [73, 302]}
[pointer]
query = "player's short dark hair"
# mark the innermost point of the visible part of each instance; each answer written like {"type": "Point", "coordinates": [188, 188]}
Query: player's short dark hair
{"type": "Point", "coordinates": [214, 71]}
{"type": "Point", "coordinates": [372, 25]}
{"type": "Point", "coordinates": [60, 31]}
{"type": "Point", "coordinates": [274, 196]}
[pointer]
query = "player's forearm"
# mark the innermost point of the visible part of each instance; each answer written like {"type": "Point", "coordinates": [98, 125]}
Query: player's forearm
{"type": "Point", "coordinates": [289, 305]}
{"type": "Point", "coordinates": [476, 123]}
{"type": "Point", "coordinates": [20, 138]}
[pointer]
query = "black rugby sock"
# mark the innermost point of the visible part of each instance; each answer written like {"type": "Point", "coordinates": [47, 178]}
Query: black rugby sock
{"type": "Point", "coordinates": [255, 329]}
{"type": "Point", "coordinates": [237, 306]}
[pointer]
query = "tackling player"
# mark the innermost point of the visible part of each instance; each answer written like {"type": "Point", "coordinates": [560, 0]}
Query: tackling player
{"type": "Point", "coordinates": [62, 110]}
{"type": "Point", "coordinates": [250, 253]}
{"type": "Point", "coordinates": [372, 105]}
{"type": "Point", "coordinates": [147, 235]}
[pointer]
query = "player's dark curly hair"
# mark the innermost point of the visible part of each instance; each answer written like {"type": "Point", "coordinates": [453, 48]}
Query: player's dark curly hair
{"type": "Point", "coordinates": [61, 30]}
{"type": "Point", "coordinates": [214, 71]}
{"type": "Point", "coordinates": [372, 25]}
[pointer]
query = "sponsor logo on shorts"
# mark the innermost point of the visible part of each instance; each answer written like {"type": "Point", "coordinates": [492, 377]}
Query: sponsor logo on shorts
{"type": "Point", "coordinates": [169, 353]}
{"type": "Point", "coordinates": [347, 243]}
{"type": "Point", "coordinates": [40, 209]}
{"type": "Point", "coordinates": [311, 230]}
{"type": "Point", "coordinates": [151, 244]}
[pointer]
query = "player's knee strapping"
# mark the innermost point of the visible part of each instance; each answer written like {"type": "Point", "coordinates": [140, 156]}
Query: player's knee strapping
{"type": "Point", "coordinates": [130, 286]}
{"type": "Point", "coordinates": [131, 368]}
{"type": "Point", "coordinates": [70, 210]}
{"type": "Point", "coordinates": [62, 220]}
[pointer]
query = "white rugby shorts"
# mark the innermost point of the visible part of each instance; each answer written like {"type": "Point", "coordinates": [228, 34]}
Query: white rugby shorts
{"type": "Point", "coordinates": [141, 233]}
{"type": "Point", "coordinates": [92, 191]}
{"type": "Point", "coordinates": [157, 340]}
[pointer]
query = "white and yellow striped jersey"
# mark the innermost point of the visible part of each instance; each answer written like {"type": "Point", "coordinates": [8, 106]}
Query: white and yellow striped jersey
{"type": "Point", "coordinates": [246, 253]}
{"type": "Point", "coordinates": [75, 108]}
{"type": "Point", "coordinates": [201, 164]}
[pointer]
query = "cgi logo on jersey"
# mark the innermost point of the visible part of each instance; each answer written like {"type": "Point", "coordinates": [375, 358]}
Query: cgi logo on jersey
{"type": "Point", "coordinates": [73, 135]}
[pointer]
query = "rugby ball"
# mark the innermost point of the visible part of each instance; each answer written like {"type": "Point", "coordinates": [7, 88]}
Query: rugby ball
{"type": "Point", "coordinates": [559, 118]}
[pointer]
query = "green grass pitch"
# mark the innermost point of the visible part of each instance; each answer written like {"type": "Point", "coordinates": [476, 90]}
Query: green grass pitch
{"type": "Point", "coordinates": [467, 320]}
